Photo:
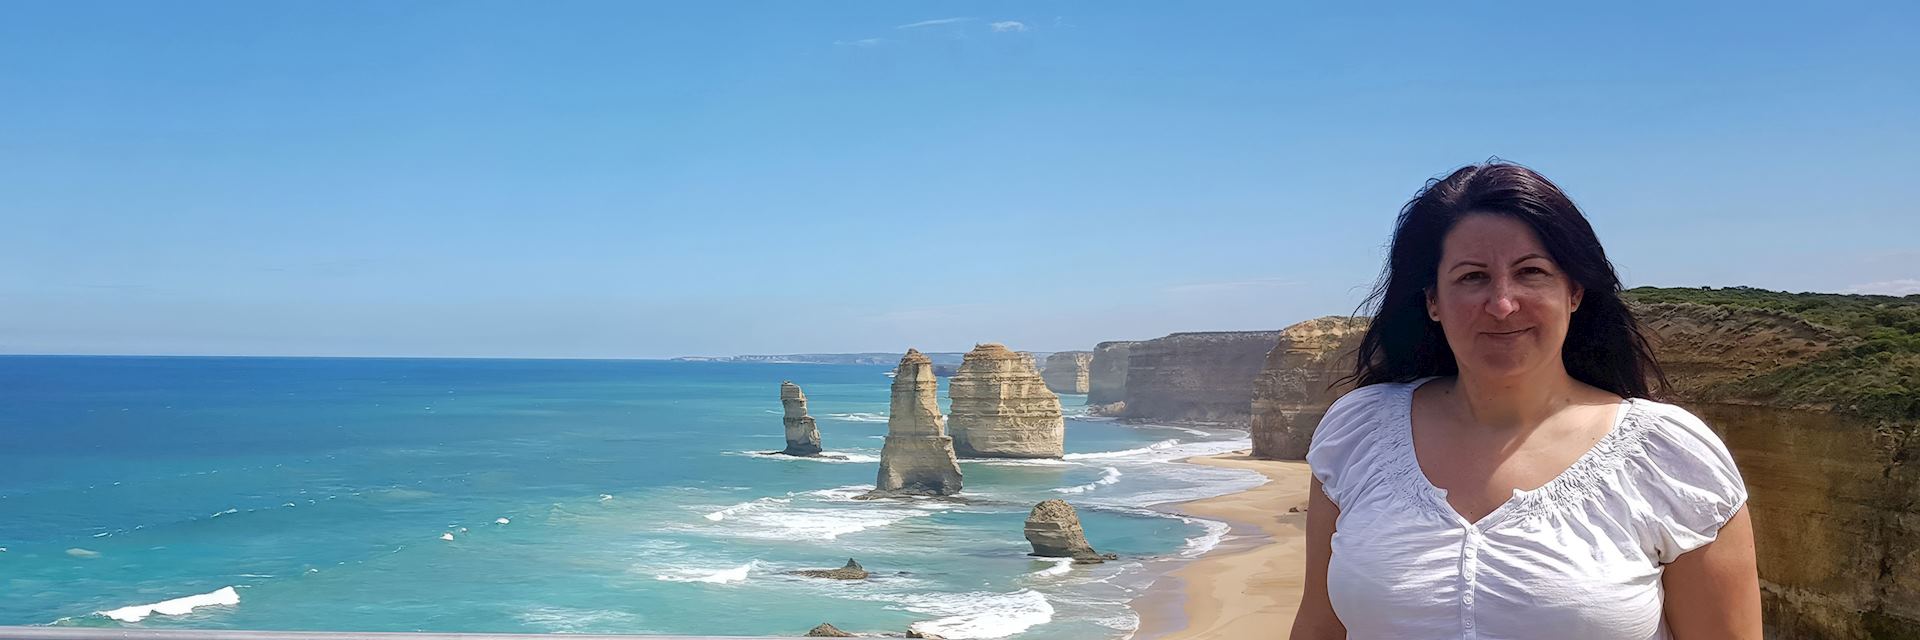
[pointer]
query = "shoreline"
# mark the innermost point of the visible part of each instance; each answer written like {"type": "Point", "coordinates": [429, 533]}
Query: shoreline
{"type": "Point", "coordinates": [1249, 585]}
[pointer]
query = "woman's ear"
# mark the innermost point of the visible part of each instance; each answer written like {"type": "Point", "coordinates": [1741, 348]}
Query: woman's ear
{"type": "Point", "coordinates": [1579, 292]}
{"type": "Point", "coordinates": [1433, 307]}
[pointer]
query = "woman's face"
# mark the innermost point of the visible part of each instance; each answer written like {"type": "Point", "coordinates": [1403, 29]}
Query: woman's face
{"type": "Point", "coordinates": [1502, 301]}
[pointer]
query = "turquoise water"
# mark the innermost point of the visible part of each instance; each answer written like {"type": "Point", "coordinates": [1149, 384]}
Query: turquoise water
{"type": "Point", "coordinates": [634, 496]}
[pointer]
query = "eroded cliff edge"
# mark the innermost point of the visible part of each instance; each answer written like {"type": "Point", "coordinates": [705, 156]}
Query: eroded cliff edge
{"type": "Point", "coordinates": [1298, 383]}
{"type": "Point", "coordinates": [1195, 377]}
{"type": "Point", "coordinates": [1815, 396]}
{"type": "Point", "coordinates": [1066, 372]}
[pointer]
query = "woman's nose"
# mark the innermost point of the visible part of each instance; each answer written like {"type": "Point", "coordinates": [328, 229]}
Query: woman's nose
{"type": "Point", "coordinates": [1502, 304]}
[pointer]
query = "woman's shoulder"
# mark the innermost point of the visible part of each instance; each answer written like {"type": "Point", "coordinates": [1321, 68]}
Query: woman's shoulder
{"type": "Point", "coordinates": [1373, 397]}
{"type": "Point", "coordinates": [1672, 429]}
{"type": "Point", "coordinates": [1354, 423]}
{"type": "Point", "coordinates": [1355, 440]}
{"type": "Point", "coordinates": [1685, 476]}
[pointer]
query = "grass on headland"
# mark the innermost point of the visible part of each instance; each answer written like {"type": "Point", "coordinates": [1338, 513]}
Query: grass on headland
{"type": "Point", "coordinates": [1874, 371]}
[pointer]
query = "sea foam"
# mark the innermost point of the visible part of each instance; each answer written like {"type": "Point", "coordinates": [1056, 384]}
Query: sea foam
{"type": "Point", "coordinates": [1124, 453]}
{"type": "Point", "coordinates": [978, 614]}
{"type": "Point", "coordinates": [829, 457]}
{"type": "Point", "coordinates": [1110, 476]}
{"type": "Point", "coordinates": [723, 576]}
{"type": "Point", "coordinates": [176, 606]}
{"type": "Point", "coordinates": [858, 417]}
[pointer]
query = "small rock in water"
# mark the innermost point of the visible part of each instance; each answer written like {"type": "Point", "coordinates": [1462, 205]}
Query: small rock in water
{"type": "Point", "coordinates": [501, 521]}
{"type": "Point", "coordinates": [852, 571]}
{"type": "Point", "coordinates": [446, 536]}
{"type": "Point", "coordinates": [827, 631]}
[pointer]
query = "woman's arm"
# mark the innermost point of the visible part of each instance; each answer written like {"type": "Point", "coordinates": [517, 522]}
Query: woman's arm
{"type": "Point", "coordinates": [1713, 592]}
{"type": "Point", "coordinates": [1315, 619]}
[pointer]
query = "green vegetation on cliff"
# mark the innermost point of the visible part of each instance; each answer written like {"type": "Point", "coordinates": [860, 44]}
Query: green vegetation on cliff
{"type": "Point", "coordinates": [1873, 369]}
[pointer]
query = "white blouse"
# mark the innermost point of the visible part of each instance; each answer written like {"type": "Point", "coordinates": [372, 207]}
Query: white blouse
{"type": "Point", "coordinates": [1580, 558]}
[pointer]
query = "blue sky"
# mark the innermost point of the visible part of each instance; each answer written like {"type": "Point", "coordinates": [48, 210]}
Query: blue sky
{"type": "Point", "coordinates": [644, 179]}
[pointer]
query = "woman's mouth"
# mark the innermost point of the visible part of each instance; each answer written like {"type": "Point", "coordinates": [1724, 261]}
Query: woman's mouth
{"type": "Point", "coordinates": [1508, 334]}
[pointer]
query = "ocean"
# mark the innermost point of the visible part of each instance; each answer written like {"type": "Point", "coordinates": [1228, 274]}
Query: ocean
{"type": "Point", "coordinates": [545, 496]}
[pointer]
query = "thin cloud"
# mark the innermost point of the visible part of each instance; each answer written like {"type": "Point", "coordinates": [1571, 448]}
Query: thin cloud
{"type": "Point", "coordinates": [931, 23]}
{"type": "Point", "coordinates": [1902, 287]}
{"type": "Point", "coordinates": [1235, 285]}
{"type": "Point", "coordinates": [863, 42]}
{"type": "Point", "coordinates": [1009, 25]}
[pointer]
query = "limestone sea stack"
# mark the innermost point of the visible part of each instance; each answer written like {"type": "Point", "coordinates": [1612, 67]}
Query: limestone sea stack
{"type": "Point", "coordinates": [1196, 377]}
{"type": "Point", "coordinates": [917, 458]}
{"type": "Point", "coordinates": [1002, 408]}
{"type": "Point", "coordinates": [1066, 371]}
{"type": "Point", "coordinates": [803, 437]}
{"type": "Point", "coordinates": [1297, 385]}
{"type": "Point", "coordinates": [1107, 375]}
{"type": "Point", "coordinates": [1053, 528]}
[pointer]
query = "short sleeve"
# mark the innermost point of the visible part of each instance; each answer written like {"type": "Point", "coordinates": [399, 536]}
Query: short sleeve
{"type": "Point", "coordinates": [1341, 442]}
{"type": "Point", "coordinates": [1690, 483]}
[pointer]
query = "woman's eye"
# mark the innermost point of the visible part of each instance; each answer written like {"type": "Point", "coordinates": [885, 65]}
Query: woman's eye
{"type": "Point", "coordinates": [1471, 277]}
{"type": "Point", "coordinates": [1534, 271]}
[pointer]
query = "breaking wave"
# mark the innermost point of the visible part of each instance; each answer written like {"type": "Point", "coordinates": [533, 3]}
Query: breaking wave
{"type": "Point", "coordinates": [978, 614]}
{"type": "Point", "coordinates": [1110, 476]}
{"type": "Point", "coordinates": [723, 576]}
{"type": "Point", "coordinates": [1124, 453]}
{"type": "Point", "coordinates": [858, 417]}
{"type": "Point", "coordinates": [176, 606]}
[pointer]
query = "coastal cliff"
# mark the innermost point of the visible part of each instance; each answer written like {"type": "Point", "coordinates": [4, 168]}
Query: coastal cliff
{"type": "Point", "coordinates": [1066, 372]}
{"type": "Point", "coordinates": [1107, 373]}
{"type": "Point", "coordinates": [1811, 393]}
{"type": "Point", "coordinates": [1296, 385]}
{"type": "Point", "coordinates": [917, 457]}
{"type": "Point", "coordinates": [1196, 377]}
{"type": "Point", "coordinates": [1002, 409]}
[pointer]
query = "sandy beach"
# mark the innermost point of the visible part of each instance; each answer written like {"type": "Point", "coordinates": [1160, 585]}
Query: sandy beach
{"type": "Point", "coordinates": [1249, 586]}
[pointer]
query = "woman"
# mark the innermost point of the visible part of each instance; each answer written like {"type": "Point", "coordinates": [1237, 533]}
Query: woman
{"type": "Point", "coordinates": [1501, 473]}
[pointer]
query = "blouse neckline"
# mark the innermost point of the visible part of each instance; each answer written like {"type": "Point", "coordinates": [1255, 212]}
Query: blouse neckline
{"type": "Point", "coordinates": [1577, 483]}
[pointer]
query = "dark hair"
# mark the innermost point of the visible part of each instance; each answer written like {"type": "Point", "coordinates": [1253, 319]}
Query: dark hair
{"type": "Point", "coordinates": [1604, 346]}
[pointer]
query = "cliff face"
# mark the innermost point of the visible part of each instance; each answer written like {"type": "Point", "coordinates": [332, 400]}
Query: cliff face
{"type": "Point", "coordinates": [803, 437]}
{"type": "Point", "coordinates": [1107, 373]}
{"type": "Point", "coordinates": [1296, 385]}
{"type": "Point", "coordinates": [1066, 372]}
{"type": "Point", "coordinates": [1002, 408]}
{"type": "Point", "coordinates": [917, 458]}
{"type": "Point", "coordinates": [1196, 377]}
{"type": "Point", "coordinates": [1835, 496]}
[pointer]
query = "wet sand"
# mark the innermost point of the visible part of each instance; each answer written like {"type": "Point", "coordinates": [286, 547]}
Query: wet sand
{"type": "Point", "coordinates": [1249, 586]}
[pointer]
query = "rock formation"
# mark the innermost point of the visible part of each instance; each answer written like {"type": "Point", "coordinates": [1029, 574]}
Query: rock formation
{"type": "Point", "coordinates": [1002, 409]}
{"type": "Point", "coordinates": [827, 631]}
{"type": "Point", "coordinates": [917, 458]}
{"type": "Point", "coordinates": [1196, 377]}
{"type": "Point", "coordinates": [1066, 372]}
{"type": "Point", "coordinates": [803, 438]}
{"type": "Point", "coordinates": [1107, 374]}
{"type": "Point", "coordinates": [1053, 528]}
{"type": "Point", "coordinates": [852, 571]}
{"type": "Point", "coordinates": [1835, 496]}
{"type": "Point", "coordinates": [1296, 386]}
